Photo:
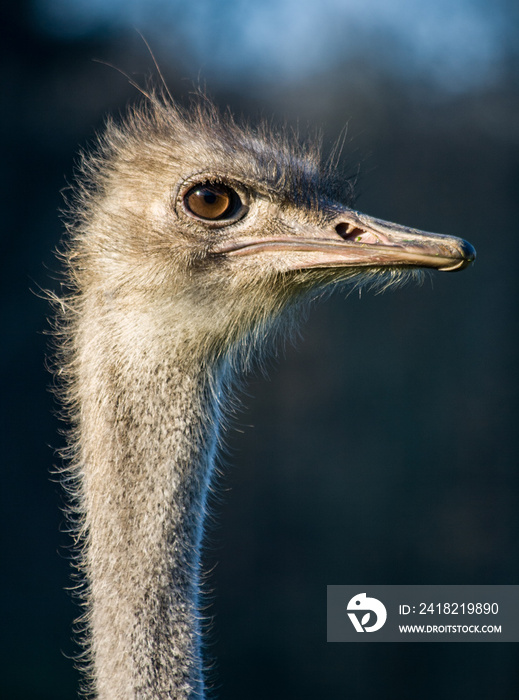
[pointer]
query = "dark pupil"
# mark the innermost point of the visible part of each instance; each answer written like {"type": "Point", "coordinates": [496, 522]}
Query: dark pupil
{"type": "Point", "coordinates": [209, 197]}
{"type": "Point", "coordinates": [210, 201]}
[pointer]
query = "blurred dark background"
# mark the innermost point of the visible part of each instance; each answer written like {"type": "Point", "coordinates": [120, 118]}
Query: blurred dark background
{"type": "Point", "coordinates": [383, 448]}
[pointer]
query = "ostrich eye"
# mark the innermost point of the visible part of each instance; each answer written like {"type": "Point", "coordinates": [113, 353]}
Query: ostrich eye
{"type": "Point", "coordinates": [212, 202]}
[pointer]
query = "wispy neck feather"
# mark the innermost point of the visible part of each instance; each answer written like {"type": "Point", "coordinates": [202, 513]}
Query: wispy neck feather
{"type": "Point", "coordinates": [148, 431]}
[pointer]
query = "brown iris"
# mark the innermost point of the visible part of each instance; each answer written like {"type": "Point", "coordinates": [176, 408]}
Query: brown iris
{"type": "Point", "coordinates": [212, 201]}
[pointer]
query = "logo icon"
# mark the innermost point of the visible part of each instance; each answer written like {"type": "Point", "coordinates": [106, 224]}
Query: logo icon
{"type": "Point", "coordinates": [370, 606]}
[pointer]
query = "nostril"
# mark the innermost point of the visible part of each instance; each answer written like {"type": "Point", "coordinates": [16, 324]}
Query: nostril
{"type": "Point", "coordinates": [348, 231]}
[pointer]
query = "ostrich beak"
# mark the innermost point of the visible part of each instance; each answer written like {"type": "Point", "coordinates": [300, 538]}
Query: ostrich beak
{"type": "Point", "coordinates": [354, 239]}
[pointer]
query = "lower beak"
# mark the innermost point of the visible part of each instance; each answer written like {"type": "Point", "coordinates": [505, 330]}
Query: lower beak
{"type": "Point", "coordinates": [356, 240]}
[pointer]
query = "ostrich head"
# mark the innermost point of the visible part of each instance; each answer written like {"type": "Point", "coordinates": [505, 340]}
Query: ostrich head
{"type": "Point", "coordinates": [215, 228]}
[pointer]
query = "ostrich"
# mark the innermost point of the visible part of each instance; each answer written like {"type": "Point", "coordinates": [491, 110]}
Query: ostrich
{"type": "Point", "coordinates": [192, 240]}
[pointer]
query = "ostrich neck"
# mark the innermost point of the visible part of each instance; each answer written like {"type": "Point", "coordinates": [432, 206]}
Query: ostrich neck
{"type": "Point", "coordinates": [148, 436]}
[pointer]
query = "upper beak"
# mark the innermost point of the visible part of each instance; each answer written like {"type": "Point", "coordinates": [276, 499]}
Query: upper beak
{"type": "Point", "coordinates": [356, 240]}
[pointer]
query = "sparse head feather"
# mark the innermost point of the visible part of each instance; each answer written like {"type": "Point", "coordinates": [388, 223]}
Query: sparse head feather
{"type": "Point", "coordinates": [128, 239]}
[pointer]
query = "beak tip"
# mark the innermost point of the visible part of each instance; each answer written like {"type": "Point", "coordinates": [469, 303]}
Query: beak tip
{"type": "Point", "coordinates": [468, 255]}
{"type": "Point", "coordinates": [469, 252]}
